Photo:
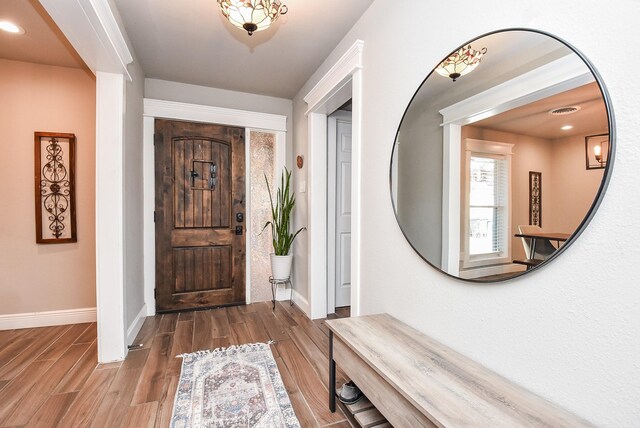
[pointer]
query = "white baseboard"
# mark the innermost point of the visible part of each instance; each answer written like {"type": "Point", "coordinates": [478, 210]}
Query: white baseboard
{"type": "Point", "coordinates": [43, 319]}
{"type": "Point", "coordinates": [302, 303]}
{"type": "Point", "coordinates": [136, 325]}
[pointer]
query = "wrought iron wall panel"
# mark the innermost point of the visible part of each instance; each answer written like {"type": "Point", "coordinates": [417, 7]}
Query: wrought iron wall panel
{"type": "Point", "coordinates": [54, 175]}
{"type": "Point", "coordinates": [535, 198]}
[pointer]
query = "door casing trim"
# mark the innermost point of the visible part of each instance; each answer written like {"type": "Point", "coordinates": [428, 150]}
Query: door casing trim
{"type": "Point", "coordinates": [251, 121]}
{"type": "Point", "coordinates": [342, 82]}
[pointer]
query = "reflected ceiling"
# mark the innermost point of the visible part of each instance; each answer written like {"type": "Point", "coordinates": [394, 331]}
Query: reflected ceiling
{"type": "Point", "coordinates": [534, 119]}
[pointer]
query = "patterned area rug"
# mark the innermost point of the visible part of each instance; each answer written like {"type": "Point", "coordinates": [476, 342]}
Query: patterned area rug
{"type": "Point", "coordinates": [239, 386]}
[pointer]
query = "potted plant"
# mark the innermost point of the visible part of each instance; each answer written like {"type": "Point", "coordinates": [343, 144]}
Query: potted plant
{"type": "Point", "coordinates": [280, 227]}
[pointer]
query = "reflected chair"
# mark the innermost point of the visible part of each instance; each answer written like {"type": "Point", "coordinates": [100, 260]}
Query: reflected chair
{"type": "Point", "coordinates": [543, 248]}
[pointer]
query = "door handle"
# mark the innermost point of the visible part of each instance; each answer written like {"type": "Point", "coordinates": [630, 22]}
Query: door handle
{"type": "Point", "coordinates": [194, 174]}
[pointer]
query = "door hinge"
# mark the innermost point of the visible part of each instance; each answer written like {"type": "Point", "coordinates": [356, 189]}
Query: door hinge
{"type": "Point", "coordinates": [154, 216]}
{"type": "Point", "coordinates": [155, 293]}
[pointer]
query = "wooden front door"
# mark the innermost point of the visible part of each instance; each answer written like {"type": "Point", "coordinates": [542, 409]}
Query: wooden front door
{"type": "Point", "coordinates": [200, 200]}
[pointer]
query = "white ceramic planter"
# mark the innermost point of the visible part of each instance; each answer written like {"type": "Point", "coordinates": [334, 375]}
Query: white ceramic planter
{"type": "Point", "coordinates": [281, 266]}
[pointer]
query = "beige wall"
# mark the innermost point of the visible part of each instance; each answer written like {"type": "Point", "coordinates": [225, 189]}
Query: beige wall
{"type": "Point", "coordinates": [568, 188]}
{"type": "Point", "coordinates": [38, 277]}
{"type": "Point", "coordinates": [574, 187]}
{"type": "Point", "coordinates": [529, 154]}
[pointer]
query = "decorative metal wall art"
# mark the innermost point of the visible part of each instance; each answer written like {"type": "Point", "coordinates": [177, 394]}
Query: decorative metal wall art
{"type": "Point", "coordinates": [535, 198]}
{"type": "Point", "coordinates": [54, 173]}
{"type": "Point", "coordinates": [596, 150]}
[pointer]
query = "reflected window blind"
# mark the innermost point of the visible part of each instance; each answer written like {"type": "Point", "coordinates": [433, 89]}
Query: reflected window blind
{"type": "Point", "coordinates": [488, 204]}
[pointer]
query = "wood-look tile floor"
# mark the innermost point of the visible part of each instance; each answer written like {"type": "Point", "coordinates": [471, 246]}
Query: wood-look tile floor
{"type": "Point", "coordinates": [49, 376]}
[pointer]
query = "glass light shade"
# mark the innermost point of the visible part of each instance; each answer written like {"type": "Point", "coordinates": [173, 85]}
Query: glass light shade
{"type": "Point", "coordinates": [252, 15]}
{"type": "Point", "coordinates": [461, 62]}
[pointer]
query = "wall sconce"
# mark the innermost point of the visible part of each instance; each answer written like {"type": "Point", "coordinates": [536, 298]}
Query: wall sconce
{"type": "Point", "coordinates": [596, 150]}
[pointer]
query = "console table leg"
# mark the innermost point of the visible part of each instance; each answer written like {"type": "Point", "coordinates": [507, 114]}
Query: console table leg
{"type": "Point", "coordinates": [332, 376]}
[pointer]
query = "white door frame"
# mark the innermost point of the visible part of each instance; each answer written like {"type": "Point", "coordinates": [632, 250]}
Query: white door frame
{"type": "Point", "coordinates": [251, 121]}
{"type": "Point", "coordinates": [93, 31]}
{"type": "Point", "coordinates": [341, 83]}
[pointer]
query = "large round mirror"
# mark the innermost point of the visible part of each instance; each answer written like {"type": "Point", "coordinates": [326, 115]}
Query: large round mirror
{"type": "Point", "coordinates": [502, 156]}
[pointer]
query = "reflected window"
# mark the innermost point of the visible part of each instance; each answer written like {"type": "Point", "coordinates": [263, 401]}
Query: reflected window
{"type": "Point", "coordinates": [486, 229]}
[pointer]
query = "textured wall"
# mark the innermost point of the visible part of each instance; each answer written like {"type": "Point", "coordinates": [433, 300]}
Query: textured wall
{"type": "Point", "coordinates": [38, 277]}
{"type": "Point", "coordinates": [262, 163]}
{"type": "Point", "coordinates": [568, 332]}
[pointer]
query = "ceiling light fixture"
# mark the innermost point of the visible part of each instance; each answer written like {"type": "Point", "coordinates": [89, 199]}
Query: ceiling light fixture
{"type": "Point", "coordinates": [461, 62]}
{"type": "Point", "coordinates": [252, 15]}
{"type": "Point", "coordinates": [10, 27]}
{"type": "Point", "coordinates": [566, 127]}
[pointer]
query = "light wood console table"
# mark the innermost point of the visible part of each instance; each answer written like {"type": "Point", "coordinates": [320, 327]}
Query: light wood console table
{"type": "Point", "coordinates": [415, 381]}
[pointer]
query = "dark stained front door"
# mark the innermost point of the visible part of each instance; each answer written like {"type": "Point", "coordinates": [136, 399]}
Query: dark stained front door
{"type": "Point", "coordinates": [200, 199]}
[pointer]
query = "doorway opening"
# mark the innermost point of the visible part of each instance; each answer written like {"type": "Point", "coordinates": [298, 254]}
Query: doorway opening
{"type": "Point", "coordinates": [339, 178]}
{"type": "Point", "coordinates": [343, 82]}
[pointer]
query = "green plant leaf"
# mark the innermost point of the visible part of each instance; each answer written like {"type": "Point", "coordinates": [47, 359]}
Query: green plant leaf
{"type": "Point", "coordinates": [281, 215]}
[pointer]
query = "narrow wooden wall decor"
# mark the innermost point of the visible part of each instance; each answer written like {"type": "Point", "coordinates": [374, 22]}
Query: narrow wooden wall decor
{"type": "Point", "coordinates": [535, 198]}
{"type": "Point", "coordinates": [54, 173]}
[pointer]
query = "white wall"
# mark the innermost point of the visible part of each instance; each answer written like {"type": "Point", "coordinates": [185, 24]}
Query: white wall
{"type": "Point", "coordinates": [203, 95]}
{"type": "Point", "coordinates": [133, 198]}
{"type": "Point", "coordinates": [568, 332]}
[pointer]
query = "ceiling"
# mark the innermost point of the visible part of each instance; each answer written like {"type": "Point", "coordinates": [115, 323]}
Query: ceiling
{"type": "Point", "coordinates": [534, 119]}
{"type": "Point", "coordinates": [509, 54]}
{"type": "Point", "coordinates": [189, 41]}
{"type": "Point", "coordinates": [42, 43]}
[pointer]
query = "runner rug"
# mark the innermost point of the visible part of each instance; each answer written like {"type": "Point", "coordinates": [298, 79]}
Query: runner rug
{"type": "Point", "coordinates": [238, 386]}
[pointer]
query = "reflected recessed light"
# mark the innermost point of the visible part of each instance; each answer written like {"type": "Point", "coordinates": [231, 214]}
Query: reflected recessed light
{"type": "Point", "coordinates": [566, 127]}
{"type": "Point", "coordinates": [10, 27]}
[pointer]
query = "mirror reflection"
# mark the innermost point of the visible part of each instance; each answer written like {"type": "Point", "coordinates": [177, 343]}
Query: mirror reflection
{"type": "Point", "coordinates": [501, 156]}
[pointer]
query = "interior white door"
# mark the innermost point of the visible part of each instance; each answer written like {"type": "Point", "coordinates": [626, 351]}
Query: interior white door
{"type": "Point", "coordinates": [343, 212]}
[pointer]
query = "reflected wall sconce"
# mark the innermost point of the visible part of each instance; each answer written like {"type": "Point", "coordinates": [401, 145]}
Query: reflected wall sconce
{"type": "Point", "coordinates": [461, 62]}
{"type": "Point", "coordinates": [252, 15]}
{"type": "Point", "coordinates": [596, 149]}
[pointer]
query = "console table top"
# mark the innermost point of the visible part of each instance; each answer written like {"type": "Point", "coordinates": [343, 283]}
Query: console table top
{"type": "Point", "coordinates": [447, 387]}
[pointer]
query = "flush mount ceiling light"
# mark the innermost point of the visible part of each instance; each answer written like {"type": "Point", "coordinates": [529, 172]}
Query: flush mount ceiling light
{"type": "Point", "coordinates": [566, 127]}
{"type": "Point", "coordinates": [10, 27]}
{"type": "Point", "coordinates": [461, 62]}
{"type": "Point", "coordinates": [252, 15]}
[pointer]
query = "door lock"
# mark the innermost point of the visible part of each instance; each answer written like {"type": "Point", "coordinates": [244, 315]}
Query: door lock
{"type": "Point", "coordinates": [239, 217]}
{"type": "Point", "coordinates": [239, 230]}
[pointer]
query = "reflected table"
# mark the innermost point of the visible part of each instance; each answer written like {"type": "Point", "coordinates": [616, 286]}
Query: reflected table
{"type": "Point", "coordinates": [558, 237]}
